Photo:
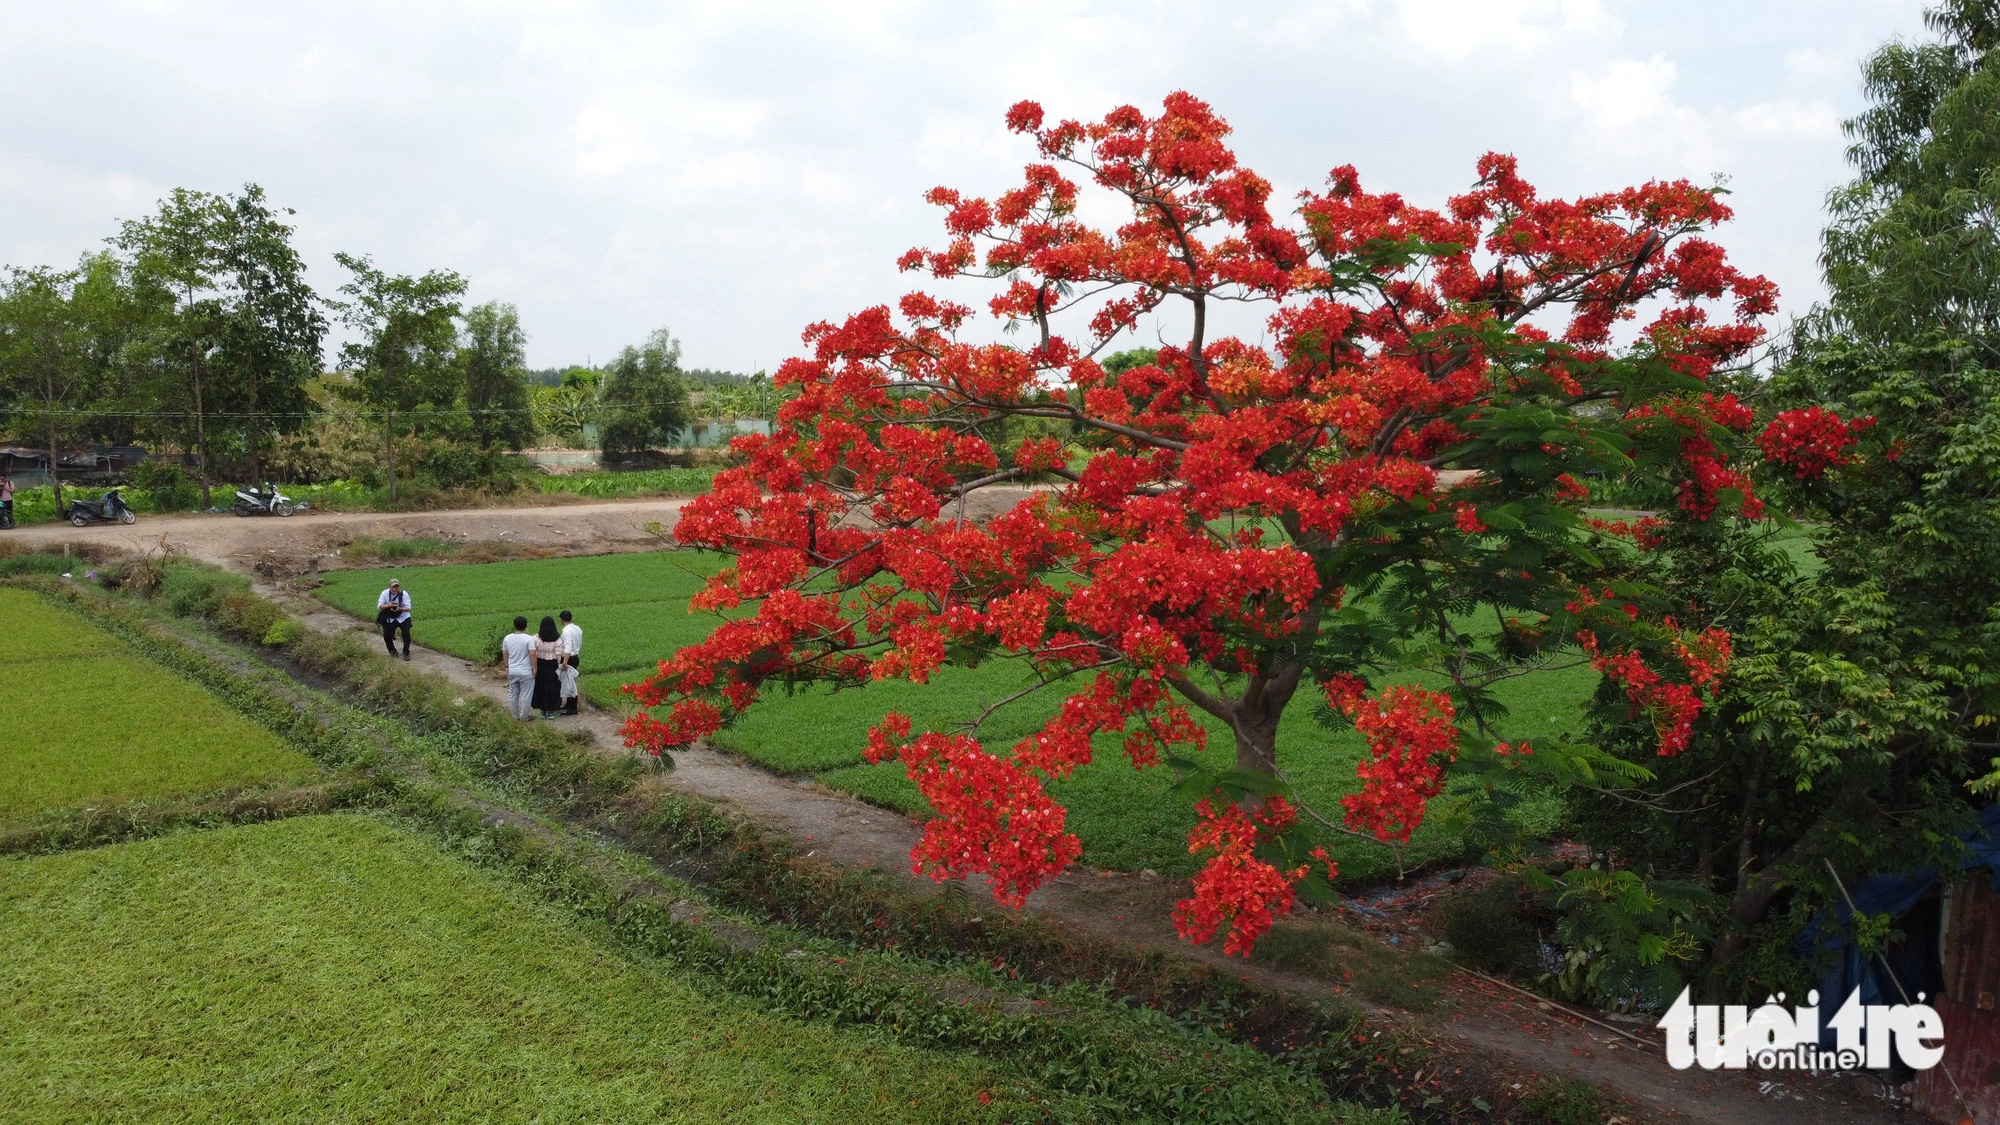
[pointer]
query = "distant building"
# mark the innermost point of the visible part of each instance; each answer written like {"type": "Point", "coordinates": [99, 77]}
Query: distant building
{"type": "Point", "coordinates": [29, 468]}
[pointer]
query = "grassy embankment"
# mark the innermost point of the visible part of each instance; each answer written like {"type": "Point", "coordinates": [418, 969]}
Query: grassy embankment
{"type": "Point", "coordinates": [633, 611]}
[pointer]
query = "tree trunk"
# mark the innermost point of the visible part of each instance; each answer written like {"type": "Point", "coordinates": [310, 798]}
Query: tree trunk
{"type": "Point", "coordinates": [55, 478]}
{"type": "Point", "coordinates": [1254, 722]}
{"type": "Point", "coordinates": [255, 432]}
{"type": "Point", "coordinates": [389, 449]}
{"type": "Point", "coordinates": [201, 439]}
{"type": "Point", "coordinates": [1754, 892]}
{"type": "Point", "coordinates": [200, 418]}
{"type": "Point", "coordinates": [1256, 740]}
{"type": "Point", "coordinates": [1747, 907]}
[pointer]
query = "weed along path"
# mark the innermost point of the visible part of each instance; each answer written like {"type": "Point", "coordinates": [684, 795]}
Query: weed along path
{"type": "Point", "coordinates": [1496, 1030]}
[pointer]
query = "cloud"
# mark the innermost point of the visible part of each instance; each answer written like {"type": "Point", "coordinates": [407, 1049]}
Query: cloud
{"type": "Point", "coordinates": [1628, 108]}
{"type": "Point", "coordinates": [1459, 28]}
{"type": "Point", "coordinates": [739, 171]}
{"type": "Point", "coordinates": [1790, 119]}
{"type": "Point", "coordinates": [1807, 62]}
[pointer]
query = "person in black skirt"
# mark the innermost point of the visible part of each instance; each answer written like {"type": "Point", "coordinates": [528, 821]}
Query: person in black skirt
{"type": "Point", "coordinates": [548, 666]}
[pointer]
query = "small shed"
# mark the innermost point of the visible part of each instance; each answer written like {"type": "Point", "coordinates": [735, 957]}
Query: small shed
{"type": "Point", "coordinates": [1949, 958]}
{"type": "Point", "coordinates": [1967, 1082]}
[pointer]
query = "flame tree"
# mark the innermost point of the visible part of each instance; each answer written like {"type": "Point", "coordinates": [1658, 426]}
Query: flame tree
{"type": "Point", "coordinates": [1236, 525]}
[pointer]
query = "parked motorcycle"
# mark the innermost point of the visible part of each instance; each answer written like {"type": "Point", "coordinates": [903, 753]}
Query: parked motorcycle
{"type": "Point", "coordinates": [6, 519]}
{"type": "Point", "coordinates": [265, 502]}
{"type": "Point", "coordinates": [83, 513]}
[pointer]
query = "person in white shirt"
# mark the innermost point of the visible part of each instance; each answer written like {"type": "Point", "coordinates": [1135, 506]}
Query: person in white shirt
{"type": "Point", "coordinates": [572, 647]}
{"type": "Point", "coordinates": [392, 612]}
{"type": "Point", "coordinates": [518, 650]}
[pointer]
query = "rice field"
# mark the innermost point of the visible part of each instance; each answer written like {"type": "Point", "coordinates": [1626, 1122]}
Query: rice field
{"type": "Point", "coordinates": [337, 968]}
{"type": "Point", "coordinates": [88, 720]}
{"type": "Point", "coordinates": [632, 608]}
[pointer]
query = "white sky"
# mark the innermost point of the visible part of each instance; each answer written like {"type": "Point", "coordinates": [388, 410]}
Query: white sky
{"type": "Point", "coordinates": [737, 171]}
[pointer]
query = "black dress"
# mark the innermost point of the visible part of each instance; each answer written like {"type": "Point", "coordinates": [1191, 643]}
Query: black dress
{"type": "Point", "coordinates": [548, 683]}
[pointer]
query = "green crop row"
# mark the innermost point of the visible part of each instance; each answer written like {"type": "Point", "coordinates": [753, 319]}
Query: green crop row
{"type": "Point", "coordinates": [534, 586]}
{"type": "Point", "coordinates": [640, 482]}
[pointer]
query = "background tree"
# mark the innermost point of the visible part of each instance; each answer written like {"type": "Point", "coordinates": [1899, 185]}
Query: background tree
{"type": "Point", "coordinates": [405, 357]}
{"type": "Point", "coordinates": [175, 256]}
{"type": "Point", "coordinates": [1912, 245]}
{"type": "Point", "coordinates": [268, 329]}
{"type": "Point", "coordinates": [493, 349]}
{"type": "Point", "coordinates": [236, 330]}
{"type": "Point", "coordinates": [49, 368]}
{"type": "Point", "coordinates": [1854, 725]}
{"type": "Point", "coordinates": [564, 409]}
{"type": "Point", "coordinates": [1246, 524]}
{"type": "Point", "coordinates": [641, 399]}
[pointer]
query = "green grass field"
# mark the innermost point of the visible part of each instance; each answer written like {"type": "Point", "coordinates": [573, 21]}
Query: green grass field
{"type": "Point", "coordinates": [339, 969]}
{"type": "Point", "coordinates": [633, 612]}
{"type": "Point", "coordinates": [87, 720]}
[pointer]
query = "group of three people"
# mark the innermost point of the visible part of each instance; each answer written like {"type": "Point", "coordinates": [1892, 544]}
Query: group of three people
{"type": "Point", "coordinates": [541, 666]}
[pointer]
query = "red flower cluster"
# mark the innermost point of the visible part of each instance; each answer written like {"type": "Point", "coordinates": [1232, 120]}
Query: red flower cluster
{"type": "Point", "coordinates": [993, 817]}
{"type": "Point", "coordinates": [1701, 422]}
{"type": "Point", "coordinates": [1811, 441]}
{"type": "Point", "coordinates": [1412, 735]}
{"type": "Point", "coordinates": [1646, 531]}
{"type": "Point", "coordinates": [1673, 707]}
{"type": "Point", "coordinates": [1236, 887]}
{"type": "Point", "coordinates": [1196, 556]}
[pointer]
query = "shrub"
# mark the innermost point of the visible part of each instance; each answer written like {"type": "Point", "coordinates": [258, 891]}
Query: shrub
{"type": "Point", "coordinates": [33, 564]}
{"type": "Point", "coordinates": [167, 485]}
{"type": "Point", "coordinates": [1491, 929]}
{"type": "Point", "coordinates": [193, 591]}
{"type": "Point", "coordinates": [1564, 1101]}
{"type": "Point", "coordinates": [1383, 975]}
{"type": "Point", "coordinates": [284, 632]}
{"type": "Point", "coordinates": [245, 615]}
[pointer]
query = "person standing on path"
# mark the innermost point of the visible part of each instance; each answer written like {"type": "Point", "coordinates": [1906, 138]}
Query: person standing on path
{"type": "Point", "coordinates": [517, 649]}
{"type": "Point", "coordinates": [572, 646]}
{"type": "Point", "coordinates": [7, 500]}
{"type": "Point", "coordinates": [548, 669]}
{"type": "Point", "coordinates": [392, 612]}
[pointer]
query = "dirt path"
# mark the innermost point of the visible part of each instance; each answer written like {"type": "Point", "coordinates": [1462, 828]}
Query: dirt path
{"type": "Point", "coordinates": [236, 540]}
{"type": "Point", "coordinates": [1525, 1035]}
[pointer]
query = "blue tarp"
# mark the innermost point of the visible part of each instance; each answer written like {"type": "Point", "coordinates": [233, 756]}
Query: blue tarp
{"type": "Point", "coordinates": [1890, 894]}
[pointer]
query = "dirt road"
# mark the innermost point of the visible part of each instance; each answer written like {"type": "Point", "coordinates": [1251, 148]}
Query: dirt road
{"type": "Point", "coordinates": [235, 540]}
{"type": "Point", "coordinates": [1530, 1037]}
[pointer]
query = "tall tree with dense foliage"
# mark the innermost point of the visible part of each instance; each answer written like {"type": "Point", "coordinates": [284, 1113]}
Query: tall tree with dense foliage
{"type": "Point", "coordinates": [59, 350]}
{"type": "Point", "coordinates": [494, 350]}
{"type": "Point", "coordinates": [641, 399]}
{"type": "Point", "coordinates": [175, 255]}
{"type": "Point", "coordinates": [237, 330]}
{"type": "Point", "coordinates": [1248, 525]}
{"type": "Point", "coordinates": [404, 359]}
{"type": "Point", "coordinates": [270, 329]}
{"type": "Point", "coordinates": [1912, 245]}
{"type": "Point", "coordinates": [1855, 725]}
